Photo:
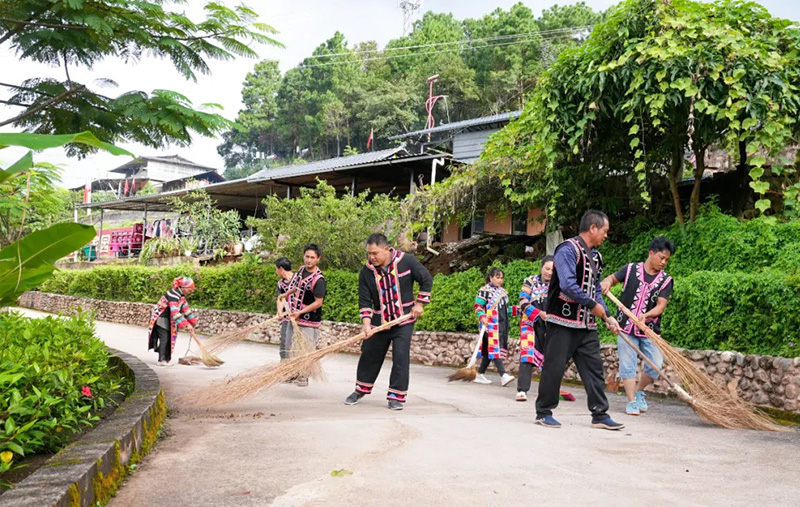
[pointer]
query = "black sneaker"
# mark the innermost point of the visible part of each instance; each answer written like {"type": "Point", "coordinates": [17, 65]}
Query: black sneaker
{"type": "Point", "coordinates": [353, 398]}
{"type": "Point", "coordinates": [606, 423]}
{"type": "Point", "coordinates": [395, 405]}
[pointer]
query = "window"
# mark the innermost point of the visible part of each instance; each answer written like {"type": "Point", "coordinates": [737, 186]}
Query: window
{"type": "Point", "coordinates": [519, 224]}
{"type": "Point", "coordinates": [478, 220]}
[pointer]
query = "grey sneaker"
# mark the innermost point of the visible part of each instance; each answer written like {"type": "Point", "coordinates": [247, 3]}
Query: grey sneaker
{"type": "Point", "coordinates": [395, 405]}
{"type": "Point", "coordinates": [353, 398]}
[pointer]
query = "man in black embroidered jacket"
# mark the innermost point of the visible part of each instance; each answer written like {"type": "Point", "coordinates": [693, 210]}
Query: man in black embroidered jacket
{"type": "Point", "coordinates": [574, 302]}
{"type": "Point", "coordinates": [386, 292]}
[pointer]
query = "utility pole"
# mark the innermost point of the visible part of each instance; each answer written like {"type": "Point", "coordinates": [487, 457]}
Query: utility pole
{"type": "Point", "coordinates": [410, 10]}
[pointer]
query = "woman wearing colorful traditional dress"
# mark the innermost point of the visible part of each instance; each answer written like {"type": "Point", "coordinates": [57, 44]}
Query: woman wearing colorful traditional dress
{"type": "Point", "coordinates": [171, 313]}
{"type": "Point", "coordinates": [494, 312]}
{"type": "Point", "coordinates": [532, 337]}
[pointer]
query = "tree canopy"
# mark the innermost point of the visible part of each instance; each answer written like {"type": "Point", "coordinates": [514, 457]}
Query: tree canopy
{"type": "Point", "coordinates": [653, 88]}
{"type": "Point", "coordinates": [342, 91]}
{"type": "Point", "coordinates": [81, 33]}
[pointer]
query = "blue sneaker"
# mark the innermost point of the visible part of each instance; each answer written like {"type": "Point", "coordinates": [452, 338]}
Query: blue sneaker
{"type": "Point", "coordinates": [632, 408]}
{"type": "Point", "coordinates": [548, 421]}
{"type": "Point", "coordinates": [640, 401]}
{"type": "Point", "coordinates": [606, 423]}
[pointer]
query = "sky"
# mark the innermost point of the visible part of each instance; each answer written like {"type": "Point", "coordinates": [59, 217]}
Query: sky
{"type": "Point", "coordinates": [301, 24]}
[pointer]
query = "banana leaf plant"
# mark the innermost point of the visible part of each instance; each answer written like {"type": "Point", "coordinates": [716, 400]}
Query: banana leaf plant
{"type": "Point", "coordinates": [29, 261]}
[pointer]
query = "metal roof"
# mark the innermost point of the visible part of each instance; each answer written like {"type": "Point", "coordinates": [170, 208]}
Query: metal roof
{"type": "Point", "coordinates": [167, 159]}
{"type": "Point", "coordinates": [380, 171]}
{"type": "Point", "coordinates": [331, 164]}
{"type": "Point", "coordinates": [466, 125]}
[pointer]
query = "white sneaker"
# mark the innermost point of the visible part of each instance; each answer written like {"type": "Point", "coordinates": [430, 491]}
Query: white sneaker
{"type": "Point", "coordinates": [521, 396]}
{"type": "Point", "coordinates": [481, 379]}
{"type": "Point", "coordinates": [506, 379]}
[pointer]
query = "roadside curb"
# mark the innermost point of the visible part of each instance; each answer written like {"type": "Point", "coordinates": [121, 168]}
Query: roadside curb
{"type": "Point", "coordinates": [90, 470]}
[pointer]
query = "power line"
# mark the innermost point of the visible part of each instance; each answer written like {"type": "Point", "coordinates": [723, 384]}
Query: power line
{"type": "Point", "coordinates": [392, 57]}
{"type": "Point", "coordinates": [464, 41]}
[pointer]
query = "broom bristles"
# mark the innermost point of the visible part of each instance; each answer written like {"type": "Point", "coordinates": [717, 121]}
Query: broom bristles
{"type": "Point", "coordinates": [711, 402]}
{"type": "Point", "coordinates": [464, 374]}
{"type": "Point", "coordinates": [263, 377]}
{"type": "Point", "coordinates": [224, 341]}
{"type": "Point", "coordinates": [302, 345]}
{"type": "Point", "coordinates": [207, 357]}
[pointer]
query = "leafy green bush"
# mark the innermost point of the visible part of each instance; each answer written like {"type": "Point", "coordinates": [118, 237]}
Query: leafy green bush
{"type": "Point", "coordinates": [54, 377]}
{"type": "Point", "coordinates": [717, 242]}
{"type": "Point", "coordinates": [749, 312]}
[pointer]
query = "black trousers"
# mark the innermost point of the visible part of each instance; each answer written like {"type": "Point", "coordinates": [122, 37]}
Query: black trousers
{"type": "Point", "coordinates": [582, 346]}
{"type": "Point", "coordinates": [498, 363]}
{"type": "Point", "coordinates": [163, 343]}
{"type": "Point", "coordinates": [524, 376]}
{"type": "Point", "coordinates": [373, 353]}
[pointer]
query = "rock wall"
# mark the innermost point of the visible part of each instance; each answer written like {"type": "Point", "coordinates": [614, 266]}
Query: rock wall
{"type": "Point", "coordinates": [763, 380]}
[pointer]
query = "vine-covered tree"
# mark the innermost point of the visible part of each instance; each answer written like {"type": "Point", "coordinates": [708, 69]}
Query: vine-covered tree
{"type": "Point", "coordinates": [657, 83]}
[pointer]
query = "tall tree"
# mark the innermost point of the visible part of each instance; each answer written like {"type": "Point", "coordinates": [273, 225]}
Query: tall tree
{"type": "Point", "coordinates": [70, 34]}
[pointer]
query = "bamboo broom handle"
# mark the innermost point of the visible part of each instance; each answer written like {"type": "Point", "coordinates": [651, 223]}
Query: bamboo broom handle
{"type": "Point", "coordinates": [382, 327]}
{"type": "Point", "coordinates": [641, 325]}
{"type": "Point", "coordinates": [649, 332]}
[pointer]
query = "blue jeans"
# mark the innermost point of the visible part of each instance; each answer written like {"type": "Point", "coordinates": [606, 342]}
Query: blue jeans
{"type": "Point", "coordinates": [628, 358]}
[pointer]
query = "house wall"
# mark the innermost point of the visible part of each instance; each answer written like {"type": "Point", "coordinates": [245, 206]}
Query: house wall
{"type": "Point", "coordinates": [535, 227]}
{"type": "Point", "coordinates": [468, 146]}
{"type": "Point", "coordinates": [496, 224]}
{"type": "Point", "coordinates": [161, 171]}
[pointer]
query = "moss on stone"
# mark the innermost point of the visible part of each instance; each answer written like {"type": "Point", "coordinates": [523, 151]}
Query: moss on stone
{"type": "Point", "coordinates": [74, 496]}
{"type": "Point", "coordinates": [158, 413]}
{"type": "Point", "coordinates": [105, 486]}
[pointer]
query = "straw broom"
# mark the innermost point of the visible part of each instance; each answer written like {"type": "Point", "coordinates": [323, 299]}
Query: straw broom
{"type": "Point", "coordinates": [301, 345]}
{"type": "Point", "coordinates": [207, 357]}
{"type": "Point", "coordinates": [226, 340]}
{"type": "Point", "coordinates": [263, 377]}
{"type": "Point", "coordinates": [470, 371]}
{"type": "Point", "coordinates": [711, 402]}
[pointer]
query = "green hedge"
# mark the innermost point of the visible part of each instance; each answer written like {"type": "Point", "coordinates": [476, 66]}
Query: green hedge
{"type": "Point", "coordinates": [718, 242]}
{"type": "Point", "coordinates": [745, 311]}
{"type": "Point", "coordinates": [50, 389]}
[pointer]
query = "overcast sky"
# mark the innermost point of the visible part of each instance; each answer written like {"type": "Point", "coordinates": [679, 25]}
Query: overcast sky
{"type": "Point", "coordinates": [302, 26]}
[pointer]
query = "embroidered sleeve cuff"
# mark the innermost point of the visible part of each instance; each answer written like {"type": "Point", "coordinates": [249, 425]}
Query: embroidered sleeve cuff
{"type": "Point", "coordinates": [532, 313]}
{"type": "Point", "coordinates": [366, 313]}
{"type": "Point", "coordinates": [424, 297]}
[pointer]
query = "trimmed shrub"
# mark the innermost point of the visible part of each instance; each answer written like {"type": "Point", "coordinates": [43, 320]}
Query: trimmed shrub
{"type": "Point", "coordinates": [749, 312]}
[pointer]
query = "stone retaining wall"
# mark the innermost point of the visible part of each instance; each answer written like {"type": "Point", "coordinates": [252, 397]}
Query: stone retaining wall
{"type": "Point", "coordinates": [88, 471]}
{"type": "Point", "coordinates": [763, 380]}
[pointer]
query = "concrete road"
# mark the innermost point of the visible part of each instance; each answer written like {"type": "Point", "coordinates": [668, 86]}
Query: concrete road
{"type": "Point", "coordinates": [454, 444]}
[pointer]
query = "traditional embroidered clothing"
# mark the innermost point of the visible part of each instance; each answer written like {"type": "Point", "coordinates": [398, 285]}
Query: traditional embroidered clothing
{"type": "Point", "coordinates": [310, 287]}
{"type": "Point", "coordinates": [583, 281]}
{"type": "Point", "coordinates": [285, 344]}
{"type": "Point", "coordinates": [571, 328]}
{"type": "Point", "coordinates": [174, 305]}
{"type": "Point", "coordinates": [640, 294]}
{"type": "Point", "coordinates": [532, 297]}
{"type": "Point", "coordinates": [492, 301]}
{"type": "Point", "coordinates": [384, 294]}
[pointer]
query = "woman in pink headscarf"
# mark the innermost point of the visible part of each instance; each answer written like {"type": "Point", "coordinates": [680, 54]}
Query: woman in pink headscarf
{"type": "Point", "coordinates": [170, 314]}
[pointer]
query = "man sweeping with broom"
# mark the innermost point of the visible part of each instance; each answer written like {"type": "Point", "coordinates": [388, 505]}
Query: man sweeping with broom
{"type": "Point", "coordinates": [306, 302]}
{"type": "Point", "coordinates": [386, 292]}
{"type": "Point", "coordinates": [645, 292]}
{"type": "Point", "coordinates": [574, 302]}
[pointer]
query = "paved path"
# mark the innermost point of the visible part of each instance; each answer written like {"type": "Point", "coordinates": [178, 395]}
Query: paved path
{"type": "Point", "coordinates": [455, 444]}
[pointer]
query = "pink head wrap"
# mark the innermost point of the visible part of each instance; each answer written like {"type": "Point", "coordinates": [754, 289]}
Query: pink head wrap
{"type": "Point", "coordinates": [183, 282]}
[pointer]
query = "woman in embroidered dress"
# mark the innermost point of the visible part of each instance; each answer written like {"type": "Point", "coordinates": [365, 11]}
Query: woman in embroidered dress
{"type": "Point", "coordinates": [171, 313]}
{"type": "Point", "coordinates": [494, 312]}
